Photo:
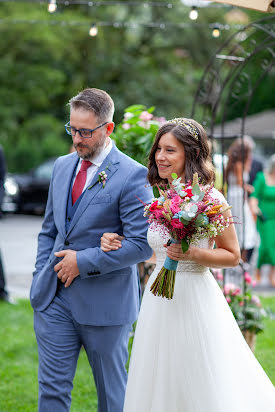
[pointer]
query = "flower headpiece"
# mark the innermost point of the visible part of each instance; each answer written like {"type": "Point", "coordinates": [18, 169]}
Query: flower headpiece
{"type": "Point", "coordinates": [180, 121]}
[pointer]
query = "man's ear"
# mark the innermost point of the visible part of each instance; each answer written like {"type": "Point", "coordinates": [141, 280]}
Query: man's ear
{"type": "Point", "coordinates": [110, 128]}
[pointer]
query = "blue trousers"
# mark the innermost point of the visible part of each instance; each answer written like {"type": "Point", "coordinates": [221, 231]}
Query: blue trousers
{"type": "Point", "coordinates": [59, 338]}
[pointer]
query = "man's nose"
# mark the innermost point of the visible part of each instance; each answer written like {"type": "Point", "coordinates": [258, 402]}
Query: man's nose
{"type": "Point", "coordinates": [77, 137]}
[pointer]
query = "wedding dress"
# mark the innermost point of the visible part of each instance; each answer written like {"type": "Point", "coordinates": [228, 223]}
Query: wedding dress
{"type": "Point", "coordinates": [188, 353]}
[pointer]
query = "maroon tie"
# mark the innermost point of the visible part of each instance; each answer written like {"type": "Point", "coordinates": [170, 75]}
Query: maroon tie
{"type": "Point", "coordinates": [80, 180]}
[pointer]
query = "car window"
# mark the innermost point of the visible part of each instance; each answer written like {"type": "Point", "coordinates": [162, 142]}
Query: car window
{"type": "Point", "coordinates": [44, 171]}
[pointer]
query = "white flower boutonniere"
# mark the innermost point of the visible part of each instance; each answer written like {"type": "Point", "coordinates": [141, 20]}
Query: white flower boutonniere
{"type": "Point", "coordinates": [102, 178]}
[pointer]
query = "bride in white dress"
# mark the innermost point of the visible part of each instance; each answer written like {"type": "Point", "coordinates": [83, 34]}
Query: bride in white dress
{"type": "Point", "coordinates": [188, 353]}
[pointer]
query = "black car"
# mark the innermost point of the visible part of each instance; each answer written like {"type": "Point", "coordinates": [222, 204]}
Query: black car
{"type": "Point", "coordinates": [28, 192]}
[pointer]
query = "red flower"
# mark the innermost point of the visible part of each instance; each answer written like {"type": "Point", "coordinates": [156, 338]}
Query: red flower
{"type": "Point", "coordinates": [154, 206]}
{"type": "Point", "coordinates": [189, 192]}
{"type": "Point", "coordinates": [177, 224]}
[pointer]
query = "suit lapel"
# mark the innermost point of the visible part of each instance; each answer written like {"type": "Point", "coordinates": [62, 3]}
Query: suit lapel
{"type": "Point", "coordinates": [110, 166]}
{"type": "Point", "coordinates": [65, 190]}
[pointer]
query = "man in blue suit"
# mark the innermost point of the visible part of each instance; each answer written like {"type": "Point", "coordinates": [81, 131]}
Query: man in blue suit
{"type": "Point", "coordinates": [81, 295]}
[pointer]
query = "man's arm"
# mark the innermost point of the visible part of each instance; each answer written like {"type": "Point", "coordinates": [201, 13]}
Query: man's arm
{"type": "Point", "coordinates": [46, 237]}
{"type": "Point", "coordinates": [135, 248]}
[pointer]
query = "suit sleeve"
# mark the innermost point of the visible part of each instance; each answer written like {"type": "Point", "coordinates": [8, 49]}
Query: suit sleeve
{"type": "Point", "coordinates": [47, 235]}
{"type": "Point", "coordinates": [94, 261]}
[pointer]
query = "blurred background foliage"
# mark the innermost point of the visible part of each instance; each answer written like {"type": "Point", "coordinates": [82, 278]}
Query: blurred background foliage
{"type": "Point", "coordinates": [45, 62]}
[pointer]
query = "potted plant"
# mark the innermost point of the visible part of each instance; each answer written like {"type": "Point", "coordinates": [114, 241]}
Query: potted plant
{"type": "Point", "coordinates": [245, 306]}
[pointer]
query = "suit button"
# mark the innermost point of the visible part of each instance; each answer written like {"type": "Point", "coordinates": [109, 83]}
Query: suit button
{"type": "Point", "coordinates": [66, 243]}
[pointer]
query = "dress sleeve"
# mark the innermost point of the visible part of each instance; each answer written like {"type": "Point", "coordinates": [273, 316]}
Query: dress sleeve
{"type": "Point", "coordinates": [258, 185]}
{"type": "Point", "coordinates": [218, 195]}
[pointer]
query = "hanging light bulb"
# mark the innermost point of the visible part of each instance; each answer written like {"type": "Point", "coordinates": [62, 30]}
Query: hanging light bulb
{"type": "Point", "coordinates": [52, 6]}
{"type": "Point", "coordinates": [193, 15]}
{"type": "Point", "coordinates": [93, 30]}
{"type": "Point", "coordinates": [216, 32]}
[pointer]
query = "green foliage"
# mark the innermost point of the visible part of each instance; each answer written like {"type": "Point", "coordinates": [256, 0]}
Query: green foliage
{"type": "Point", "coordinates": [43, 64]}
{"type": "Point", "coordinates": [245, 306]}
{"type": "Point", "coordinates": [135, 134]}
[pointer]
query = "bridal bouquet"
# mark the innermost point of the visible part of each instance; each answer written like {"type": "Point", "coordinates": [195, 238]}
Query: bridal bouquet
{"type": "Point", "coordinates": [189, 213]}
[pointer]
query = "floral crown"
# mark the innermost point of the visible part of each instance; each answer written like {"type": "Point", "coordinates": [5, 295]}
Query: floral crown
{"type": "Point", "coordinates": [180, 121]}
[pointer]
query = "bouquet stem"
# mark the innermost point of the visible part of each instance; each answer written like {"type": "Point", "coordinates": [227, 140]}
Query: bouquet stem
{"type": "Point", "coordinates": [164, 283]}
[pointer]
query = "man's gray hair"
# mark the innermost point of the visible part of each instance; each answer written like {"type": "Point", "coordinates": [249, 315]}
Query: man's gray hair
{"type": "Point", "coordinates": [95, 100]}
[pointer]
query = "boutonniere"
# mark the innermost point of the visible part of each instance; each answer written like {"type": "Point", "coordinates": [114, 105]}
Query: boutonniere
{"type": "Point", "coordinates": [102, 178]}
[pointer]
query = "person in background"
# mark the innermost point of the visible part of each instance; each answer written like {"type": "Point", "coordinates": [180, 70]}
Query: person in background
{"type": "Point", "coordinates": [4, 296]}
{"type": "Point", "coordinates": [2, 178]}
{"type": "Point", "coordinates": [263, 206]}
{"type": "Point", "coordinates": [237, 177]}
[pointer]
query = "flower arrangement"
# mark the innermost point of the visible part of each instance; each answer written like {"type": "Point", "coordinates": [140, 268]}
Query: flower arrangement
{"type": "Point", "coordinates": [189, 213]}
{"type": "Point", "coordinates": [245, 306]}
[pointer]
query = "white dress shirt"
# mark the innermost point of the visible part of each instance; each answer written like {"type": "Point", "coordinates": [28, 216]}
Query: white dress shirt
{"type": "Point", "coordinates": [96, 163]}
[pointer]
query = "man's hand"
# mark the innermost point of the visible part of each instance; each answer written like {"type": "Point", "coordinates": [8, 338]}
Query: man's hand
{"type": "Point", "coordinates": [67, 268]}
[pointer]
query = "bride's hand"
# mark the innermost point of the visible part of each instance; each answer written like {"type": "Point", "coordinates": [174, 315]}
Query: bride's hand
{"type": "Point", "coordinates": [110, 241]}
{"type": "Point", "coordinates": [175, 252]}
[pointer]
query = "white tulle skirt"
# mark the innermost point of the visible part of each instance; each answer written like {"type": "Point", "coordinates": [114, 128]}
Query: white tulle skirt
{"type": "Point", "coordinates": [190, 356]}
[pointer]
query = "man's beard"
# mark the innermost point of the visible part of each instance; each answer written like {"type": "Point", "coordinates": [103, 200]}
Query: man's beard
{"type": "Point", "coordinates": [93, 151]}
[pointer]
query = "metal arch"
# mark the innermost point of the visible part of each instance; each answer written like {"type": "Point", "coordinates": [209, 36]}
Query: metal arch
{"type": "Point", "coordinates": [226, 77]}
{"type": "Point", "coordinates": [236, 54]}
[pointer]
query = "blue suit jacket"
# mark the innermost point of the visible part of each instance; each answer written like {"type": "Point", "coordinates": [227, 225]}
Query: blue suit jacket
{"type": "Point", "coordinates": [106, 292]}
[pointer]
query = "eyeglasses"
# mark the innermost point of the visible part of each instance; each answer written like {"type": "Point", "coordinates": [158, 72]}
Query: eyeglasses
{"type": "Point", "coordinates": [85, 133]}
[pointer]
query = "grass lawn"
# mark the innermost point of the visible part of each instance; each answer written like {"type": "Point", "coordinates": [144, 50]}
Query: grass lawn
{"type": "Point", "coordinates": [19, 361]}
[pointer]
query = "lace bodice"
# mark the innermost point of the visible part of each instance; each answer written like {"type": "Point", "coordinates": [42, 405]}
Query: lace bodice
{"type": "Point", "coordinates": [157, 238]}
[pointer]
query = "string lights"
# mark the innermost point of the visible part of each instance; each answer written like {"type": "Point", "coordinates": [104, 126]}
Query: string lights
{"type": "Point", "coordinates": [52, 6]}
{"type": "Point", "coordinates": [216, 32]}
{"type": "Point", "coordinates": [193, 15]}
{"type": "Point", "coordinates": [215, 28]}
{"type": "Point", "coordinates": [98, 3]}
{"type": "Point", "coordinates": [93, 30]}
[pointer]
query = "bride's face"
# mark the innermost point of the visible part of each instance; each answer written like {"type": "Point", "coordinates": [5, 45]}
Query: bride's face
{"type": "Point", "coordinates": [170, 157]}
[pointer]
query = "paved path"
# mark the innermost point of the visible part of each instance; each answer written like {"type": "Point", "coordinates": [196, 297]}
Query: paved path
{"type": "Point", "coordinates": [18, 243]}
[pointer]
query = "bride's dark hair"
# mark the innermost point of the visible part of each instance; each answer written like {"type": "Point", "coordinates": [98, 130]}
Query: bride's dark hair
{"type": "Point", "coordinates": [196, 149]}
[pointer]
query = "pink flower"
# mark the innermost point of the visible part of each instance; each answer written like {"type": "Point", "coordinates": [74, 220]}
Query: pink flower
{"type": "Point", "coordinates": [128, 115]}
{"type": "Point", "coordinates": [228, 299]}
{"type": "Point", "coordinates": [247, 277]}
{"type": "Point", "coordinates": [241, 303]}
{"type": "Point", "coordinates": [174, 206]}
{"type": "Point", "coordinates": [229, 287]}
{"type": "Point", "coordinates": [220, 276]}
{"type": "Point", "coordinates": [160, 120]}
{"type": "Point", "coordinates": [177, 224]}
{"type": "Point", "coordinates": [236, 292]}
{"type": "Point", "coordinates": [145, 116]}
{"type": "Point", "coordinates": [256, 300]}
{"type": "Point", "coordinates": [158, 214]}
{"type": "Point", "coordinates": [253, 283]}
{"type": "Point", "coordinates": [126, 126]}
